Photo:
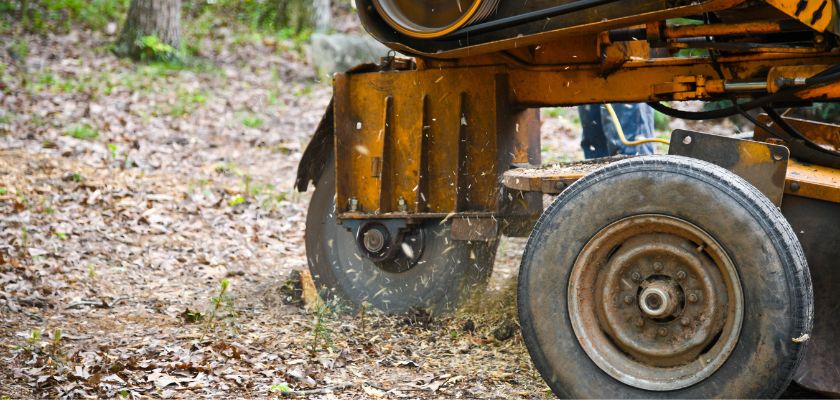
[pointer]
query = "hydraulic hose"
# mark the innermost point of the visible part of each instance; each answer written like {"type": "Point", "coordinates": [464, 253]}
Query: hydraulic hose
{"type": "Point", "coordinates": [623, 138]}
{"type": "Point", "coordinates": [830, 75]}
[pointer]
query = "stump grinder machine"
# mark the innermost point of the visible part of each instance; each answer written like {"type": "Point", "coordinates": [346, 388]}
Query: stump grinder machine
{"type": "Point", "coordinates": [709, 271]}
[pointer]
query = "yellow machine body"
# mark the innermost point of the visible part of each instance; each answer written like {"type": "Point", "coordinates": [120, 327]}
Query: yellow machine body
{"type": "Point", "coordinates": [442, 135]}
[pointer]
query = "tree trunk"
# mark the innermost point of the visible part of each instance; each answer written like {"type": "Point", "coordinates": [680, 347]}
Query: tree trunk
{"type": "Point", "coordinates": [323, 15]}
{"type": "Point", "coordinates": [300, 15]}
{"type": "Point", "coordinates": [147, 18]}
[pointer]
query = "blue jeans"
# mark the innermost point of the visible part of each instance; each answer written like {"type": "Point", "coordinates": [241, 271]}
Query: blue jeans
{"type": "Point", "coordinates": [600, 138]}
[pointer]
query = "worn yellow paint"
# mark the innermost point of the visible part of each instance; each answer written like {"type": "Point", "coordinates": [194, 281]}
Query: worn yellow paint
{"type": "Point", "coordinates": [818, 14]}
{"type": "Point", "coordinates": [813, 181]}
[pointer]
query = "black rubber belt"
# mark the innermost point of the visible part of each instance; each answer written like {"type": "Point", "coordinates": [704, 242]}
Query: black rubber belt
{"type": "Point", "coordinates": [532, 16]}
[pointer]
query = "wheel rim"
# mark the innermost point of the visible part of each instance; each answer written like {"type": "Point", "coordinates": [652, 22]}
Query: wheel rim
{"type": "Point", "coordinates": [655, 302]}
{"type": "Point", "coordinates": [433, 18]}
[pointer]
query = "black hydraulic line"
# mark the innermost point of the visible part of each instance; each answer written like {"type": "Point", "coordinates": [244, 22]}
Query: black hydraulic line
{"type": "Point", "coordinates": [799, 144]}
{"type": "Point", "coordinates": [525, 18]}
{"type": "Point", "coordinates": [828, 76]}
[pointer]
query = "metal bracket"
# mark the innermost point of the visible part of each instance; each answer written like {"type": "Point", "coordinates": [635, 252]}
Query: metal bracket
{"type": "Point", "coordinates": [763, 165]}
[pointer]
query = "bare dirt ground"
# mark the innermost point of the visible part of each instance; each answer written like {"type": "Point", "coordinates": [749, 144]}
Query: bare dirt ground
{"type": "Point", "coordinates": [128, 193]}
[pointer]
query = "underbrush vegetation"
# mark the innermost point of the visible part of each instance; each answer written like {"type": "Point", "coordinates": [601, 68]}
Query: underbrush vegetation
{"type": "Point", "coordinates": [59, 15]}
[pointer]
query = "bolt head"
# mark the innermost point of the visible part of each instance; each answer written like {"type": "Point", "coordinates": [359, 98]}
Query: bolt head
{"type": "Point", "coordinates": [692, 298]}
{"type": "Point", "coordinates": [662, 332]}
{"type": "Point", "coordinates": [681, 275]}
{"type": "Point", "coordinates": [657, 266]}
{"type": "Point", "coordinates": [685, 321]}
{"type": "Point", "coordinates": [637, 277]}
{"type": "Point", "coordinates": [687, 140]}
{"type": "Point", "coordinates": [628, 299]}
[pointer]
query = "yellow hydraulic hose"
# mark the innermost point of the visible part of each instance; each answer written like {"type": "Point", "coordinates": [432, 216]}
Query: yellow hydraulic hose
{"type": "Point", "coordinates": [620, 131]}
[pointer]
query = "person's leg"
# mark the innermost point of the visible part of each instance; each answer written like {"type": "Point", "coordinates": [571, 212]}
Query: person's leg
{"type": "Point", "coordinates": [593, 141]}
{"type": "Point", "coordinates": [637, 123]}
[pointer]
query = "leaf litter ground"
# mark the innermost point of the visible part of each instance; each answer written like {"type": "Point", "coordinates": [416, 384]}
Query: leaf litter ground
{"type": "Point", "coordinates": [128, 193]}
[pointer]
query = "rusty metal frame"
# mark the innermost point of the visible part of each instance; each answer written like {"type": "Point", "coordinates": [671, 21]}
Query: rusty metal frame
{"type": "Point", "coordinates": [435, 141]}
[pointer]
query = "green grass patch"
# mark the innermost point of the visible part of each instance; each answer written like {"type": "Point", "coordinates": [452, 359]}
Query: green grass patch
{"type": "Point", "coordinates": [83, 132]}
{"type": "Point", "coordinates": [60, 15]}
{"type": "Point", "coordinates": [252, 121]}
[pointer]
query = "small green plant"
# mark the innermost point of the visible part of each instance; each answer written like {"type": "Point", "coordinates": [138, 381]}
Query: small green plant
{"type": "Point", "coordinates": [252, 121]}
{"type": "Point", "coordinates": [3, 191]}
{"type": "Point", "coordinates": [35, 346]}
{"type": "Point", "coordinates": [323, 319]}
{"type": "Point", "coordinates": [55, 343]}
{"type": "Point", "coordinates": [83, 132]}
{"type": "Point", "coordinates": [283, 388]}
{"type": "Point", "coordinates": [60, 235]}
{"type": "Point", "coordinates": [91, 271]}
{"type": "Point", "coordinates": [236, 201]}
{"type": "Point", "coordinates": [34, 338]}
{"type": "Point", "coordinates": [113, 149]}
{"type": "Point", "coordinates": [222, 306]}
{"type": "Point", "coordinates": [76, 177]}
{"type": "Point", "coordinates": [151, 48]}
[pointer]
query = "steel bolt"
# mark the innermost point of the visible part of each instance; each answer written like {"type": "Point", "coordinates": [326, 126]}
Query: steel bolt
{"type": "Point", "coordinates": [401, 204]}
{"type": "Point", "coordinates": [640, 322]}
{"type": "Point", "coordinates": [685, 321]}
{"type": "Point", "coordinates": [559, 185]}
{"type": "Point", "coordinates": [794, 186]}
{"type": "Point", "coordinates": [628, 299]}
{"type": "Point", "coordinates": [354, 204]}
{"type": "Point", "coordinates": [657, 266]}
{"type": "Point", "coordinates": [692, 298]}
{"type": "Point", "coordinates": [681, 275]}
{"type": "Point", "coordinates": [687, 140]}
{"type": "Point", "coordinates": [662, 331]}
{"type": "Point", "coordinates": [637, 277]}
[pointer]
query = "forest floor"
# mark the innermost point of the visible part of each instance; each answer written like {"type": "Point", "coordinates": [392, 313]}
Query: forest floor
{"type": "Point", "coordinates": [129, 193]}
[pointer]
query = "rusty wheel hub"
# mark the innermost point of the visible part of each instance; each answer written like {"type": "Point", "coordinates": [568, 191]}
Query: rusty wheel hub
{"type": "Point", "coordinates": [655, 302]}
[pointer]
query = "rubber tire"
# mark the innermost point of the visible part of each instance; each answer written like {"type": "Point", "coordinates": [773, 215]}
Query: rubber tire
{"type": "Point", "coordinates": [447, 273]}
{"type": "Point", "coordinates": [774, 276]}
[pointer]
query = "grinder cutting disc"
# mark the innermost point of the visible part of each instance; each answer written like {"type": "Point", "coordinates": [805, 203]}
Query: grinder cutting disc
{"type": "Point", "coordinates": [427, 19]}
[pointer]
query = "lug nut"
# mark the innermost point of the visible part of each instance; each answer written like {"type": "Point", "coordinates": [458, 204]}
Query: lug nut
{"type": "Point", "coordinates": [662, 331]}
{"type": "Point", "coordinates": [685, 321]}
{"type": "Point", "coordinates": [692, 298]}
{"type": "Point", "coordinates": [628, 299]}
{"type": "Point", "coordinates": [637, 277]}
{"type": "Point", "coordinates": [681, 275]}
{"type": "Point", "coordinates": [657, 266]}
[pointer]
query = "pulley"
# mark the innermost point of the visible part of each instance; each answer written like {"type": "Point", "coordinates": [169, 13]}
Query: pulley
{"type": "Point", "coordinates": [427, 19]}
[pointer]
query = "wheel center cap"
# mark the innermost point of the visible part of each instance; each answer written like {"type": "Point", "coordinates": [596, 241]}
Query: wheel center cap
{"type": "Point", "coordinates": [658, 300]}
